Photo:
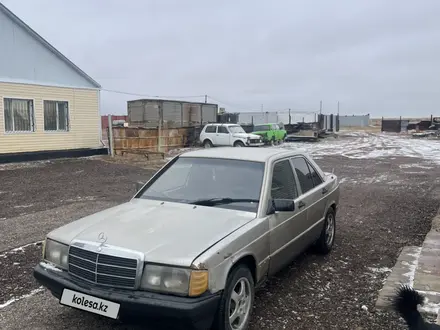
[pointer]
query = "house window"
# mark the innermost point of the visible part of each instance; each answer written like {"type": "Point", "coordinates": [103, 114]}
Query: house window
{"type": "Point", "coordinates": [56, 116]}
{"type": "Point", "coordinates": [19, 115]}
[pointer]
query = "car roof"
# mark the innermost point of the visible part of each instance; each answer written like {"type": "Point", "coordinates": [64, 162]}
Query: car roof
{"type": "Point", "coordinates": [255, 154]}
{"type": "Point", "coordinates": [221, 124]}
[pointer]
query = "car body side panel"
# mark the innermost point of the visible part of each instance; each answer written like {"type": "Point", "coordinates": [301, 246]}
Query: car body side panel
{"type": "Point", "coordinates": [250, 240]}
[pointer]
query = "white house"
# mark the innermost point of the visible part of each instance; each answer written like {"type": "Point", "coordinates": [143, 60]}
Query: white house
{"type": "Point", "coordinates": [48, 106]}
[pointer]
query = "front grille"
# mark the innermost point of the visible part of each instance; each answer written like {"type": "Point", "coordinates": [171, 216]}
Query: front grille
{"type": "Point", "coordinates": [254, 140]}
{"type": "Point", "coordinates": [103, 269]}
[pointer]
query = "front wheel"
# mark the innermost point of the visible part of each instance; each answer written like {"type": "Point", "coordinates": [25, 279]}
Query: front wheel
{"type": "Point", "coordinates": [239, 144]}
{"type": "Point", "coordinates": [325, 242]}
{"type": "Point", "coordinates": [207, 144]}
{"type": "Point", "coordinates": [237, 300]}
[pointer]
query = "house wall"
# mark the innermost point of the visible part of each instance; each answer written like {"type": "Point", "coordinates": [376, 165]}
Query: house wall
{"type": "Point", "coordinates": [84, 119]}
{"type": "Point", "coordinates": [23, 58]}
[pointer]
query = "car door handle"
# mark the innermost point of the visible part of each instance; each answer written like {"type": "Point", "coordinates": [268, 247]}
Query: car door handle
{"type": "Point", "coordinates": [324, 191]}
{"type": "Point", "coordinates": [301, 204]}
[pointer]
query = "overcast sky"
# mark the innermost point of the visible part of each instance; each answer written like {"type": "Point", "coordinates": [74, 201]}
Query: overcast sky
{"type": "Point", "coordinates": [375, 56]}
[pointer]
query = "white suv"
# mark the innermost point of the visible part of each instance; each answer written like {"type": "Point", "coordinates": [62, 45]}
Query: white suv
{"type": "Point", "coordinates": [214, 135]}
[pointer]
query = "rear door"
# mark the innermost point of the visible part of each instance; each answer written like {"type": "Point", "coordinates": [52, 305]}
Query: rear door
{"type": "Point", "coordinates": [210, 133]}
{"type": "Point", "coordinates": [313, 194]}
{"type": "Point", "coordinates": [223, 136]}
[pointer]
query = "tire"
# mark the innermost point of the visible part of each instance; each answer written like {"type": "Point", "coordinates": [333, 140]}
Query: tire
{"type": "Point", "coordinates": [238, 144]}
{"type": "Point", "coordinates": [207, 144]}
{"type": "Point", "coordinates": [325, 243]}
{"type": "Point", "coordinates": [240, 277]}
{"type": "Point", "coordinates": [272, 141]}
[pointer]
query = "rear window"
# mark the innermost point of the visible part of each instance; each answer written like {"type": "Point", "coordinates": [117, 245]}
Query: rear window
{"type": "Point", "coordinates": [210, 129]}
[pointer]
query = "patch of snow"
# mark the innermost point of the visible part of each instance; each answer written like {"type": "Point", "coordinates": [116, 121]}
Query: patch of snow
{"type": "Point", "coordinates": [49, 266]}
{"type": "Point", "coordinates": [23, 206]}
{"type": "Point", "coordinates": [363, 145]}
{"type": "Point", "coordinates": [32, 293]}
{"type": "Point", "coordinates": [342, 180]}
{"type": "Point", "coordinates": [80, 199]}
{"type": "Point", "coordinates": [416, 165]}
{"type": "Point", "coordinates": [429, 307]}
{"type": "Point", "coordinates": [380, 270]}
{"type": "Point", "coordinates": [19, 249]}
{"type": "Point", "coordinates": [15, 166]}
{"type": "Point", "coordinates": [412, 266]}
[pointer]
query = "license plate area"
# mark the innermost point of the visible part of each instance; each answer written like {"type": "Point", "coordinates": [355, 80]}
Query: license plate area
{"type": "Point", "coordinates": [90, 303]}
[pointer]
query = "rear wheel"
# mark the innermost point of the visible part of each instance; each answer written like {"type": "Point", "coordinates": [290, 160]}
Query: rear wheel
{"type": "Point", "coordinates": [238, 144]}
{"type": "Point", "coordinates": [207, 144]}
{"type": "Point", "coordinates": [325, 242]}
{"type": "Point", "coordinates": [237, 300]}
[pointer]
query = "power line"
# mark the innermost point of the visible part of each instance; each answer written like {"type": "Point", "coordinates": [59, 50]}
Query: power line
{"type": "Point", "coordinates": [205, 96]}
{"type": "Point", "coordinates": [152, 96]}
{"type": "Point", "coordinates": [254, 109]}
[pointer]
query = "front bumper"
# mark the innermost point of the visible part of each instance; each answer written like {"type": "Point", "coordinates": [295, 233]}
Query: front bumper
{"type": "Point", "coordinates": [249, 144]}
{"type": "Point", "coordinates": [195, 313]}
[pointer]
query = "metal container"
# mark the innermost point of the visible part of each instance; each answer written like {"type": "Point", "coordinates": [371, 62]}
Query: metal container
{"type": "Point", "coordinates": [170, 113]}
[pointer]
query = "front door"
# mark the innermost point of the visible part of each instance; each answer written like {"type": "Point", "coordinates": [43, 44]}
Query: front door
{"type": "Point", "coordinates": [285, 227]}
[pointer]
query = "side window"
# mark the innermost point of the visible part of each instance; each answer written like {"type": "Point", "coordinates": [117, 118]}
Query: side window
{"type": "Point", "coordinates": [283, 181]}
{"type": "Point", "coordinates": [222, 129]}
{"type": "Point", "coordinates": [210, 129]}
{"type": "Point", "coordinates": [303, 173]}
{"type": "Point", "coordinates": [315, 176]}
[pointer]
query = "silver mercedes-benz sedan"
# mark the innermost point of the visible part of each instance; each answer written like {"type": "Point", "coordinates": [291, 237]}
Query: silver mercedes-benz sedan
{"type": "Point", "coordinates": [196, 239]}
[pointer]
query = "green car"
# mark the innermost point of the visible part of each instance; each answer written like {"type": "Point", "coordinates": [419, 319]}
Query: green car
{"type": "Point", "coordinates": [271, 133]}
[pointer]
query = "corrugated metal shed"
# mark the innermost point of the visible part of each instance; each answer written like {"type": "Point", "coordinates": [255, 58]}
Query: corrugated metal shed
{"type": "Point", "coordinates": [258, 118]}
{"type": "Point", "coordinates": [170, 113]}
{"type": "Point", "coordinates": [354, 121]}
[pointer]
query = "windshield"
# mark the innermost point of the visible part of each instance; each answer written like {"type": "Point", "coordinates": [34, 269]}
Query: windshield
{"type": "Point", "coordinates": [262, 128]}
{"type": "Point", "coordinates": [236, 129]}
{"type": "Point", "coordinates": [191, 180]}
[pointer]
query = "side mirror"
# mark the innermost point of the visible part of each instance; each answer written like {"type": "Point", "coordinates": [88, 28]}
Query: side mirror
{"type": "Point", "coordinates": [139, 185]}
{"type": "Point", "coordinates": [281, 205]}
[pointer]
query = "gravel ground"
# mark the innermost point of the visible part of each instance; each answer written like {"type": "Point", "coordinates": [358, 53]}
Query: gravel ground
{"type": "Point", "coordinates": [30, 187]}
{"type": "Point", "coordinates": [385, 204]}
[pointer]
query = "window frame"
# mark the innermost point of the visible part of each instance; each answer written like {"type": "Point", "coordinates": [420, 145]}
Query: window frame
{"type": "Point", "coordinates": [308, 166]}
{"type": "Point", "coordinates": [311, 167]}
{"type": "Point", "coordinates": [57, 120]}
{"type": "Point", "coordinates": [31, 116]}
{"type": "Point", "coordinates": [208, 126]}
{"type": "Point", "coordinates": [297, 186]}
{"type": "Point", "coordinates": [225, 127]}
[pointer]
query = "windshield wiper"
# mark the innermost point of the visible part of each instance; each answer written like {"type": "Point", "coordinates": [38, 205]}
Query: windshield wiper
{"type": "Point", "coordinates": [222, 201]}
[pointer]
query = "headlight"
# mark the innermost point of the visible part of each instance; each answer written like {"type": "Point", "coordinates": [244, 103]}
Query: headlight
{"type": "Point", "coordinates": [180, 281]}
{"type": "Point", "coordinates": [56, 253]}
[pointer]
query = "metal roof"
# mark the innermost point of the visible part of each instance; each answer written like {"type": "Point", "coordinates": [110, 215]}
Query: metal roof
{"type": "Point", "coordinates": [254, 154]}
{"type": "Point", "coordinates": [46, 44]}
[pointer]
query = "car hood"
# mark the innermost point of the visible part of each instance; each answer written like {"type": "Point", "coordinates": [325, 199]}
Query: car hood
{"type": "Point", "coordinates": [246, 135]}
{"type": "Point", "coordinates": [169, 233]}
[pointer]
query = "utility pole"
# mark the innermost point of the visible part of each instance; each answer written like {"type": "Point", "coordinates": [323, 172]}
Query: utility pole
{"type": "Point", "coordinates": [206, 98]}
{"type": "Point", "coordinates": [290, 118]}
{"type": "Point", "coordinates": [338, 108]}
{"type": "Point", "coordinates": [261, 108]}
{"type": "Point", "coordinates": [320, 107]}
